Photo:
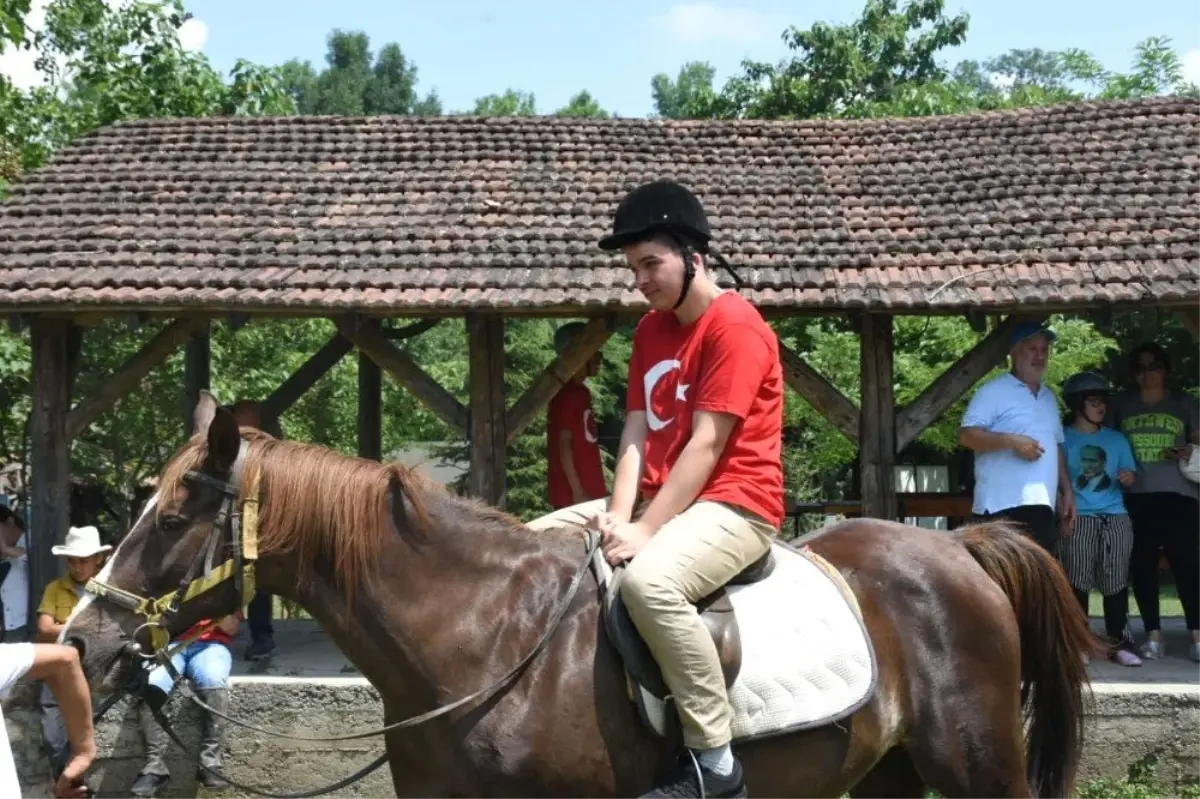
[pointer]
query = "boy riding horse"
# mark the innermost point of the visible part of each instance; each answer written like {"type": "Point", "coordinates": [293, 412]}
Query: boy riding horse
{"type": "Point", "coordinates": [698, 489]}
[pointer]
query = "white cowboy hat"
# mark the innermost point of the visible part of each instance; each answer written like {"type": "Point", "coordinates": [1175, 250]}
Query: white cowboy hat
{"type": "Point", "coordinates": [82, 542]}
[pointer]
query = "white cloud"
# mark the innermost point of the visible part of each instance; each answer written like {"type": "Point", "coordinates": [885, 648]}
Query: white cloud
{"type": "Point", "coordinates": [193, 34]}
{"type": "Point", "coordinates": [693, 23]}
{"type": "Point", "coordinates": [1191, 66]}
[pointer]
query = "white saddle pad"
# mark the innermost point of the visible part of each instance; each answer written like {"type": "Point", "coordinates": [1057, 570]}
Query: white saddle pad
{"type": "Point", "coordinates": [806, 657]}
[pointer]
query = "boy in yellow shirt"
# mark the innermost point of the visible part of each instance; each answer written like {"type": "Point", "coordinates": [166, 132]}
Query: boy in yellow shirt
{"type": "Point", "coordinates": [85, 558]}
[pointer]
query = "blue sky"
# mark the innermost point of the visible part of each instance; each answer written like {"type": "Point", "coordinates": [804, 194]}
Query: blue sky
{"type": "Point", "coordinates": [468, 48]}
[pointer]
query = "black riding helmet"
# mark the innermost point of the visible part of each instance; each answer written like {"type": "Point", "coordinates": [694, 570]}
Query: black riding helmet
{"type": "Point", "coordinates": [665, 206]}
{"type": "Point", "coordinates": [1079, 387]}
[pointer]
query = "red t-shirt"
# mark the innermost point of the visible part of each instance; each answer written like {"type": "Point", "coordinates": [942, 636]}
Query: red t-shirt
{"type": "Point", "coordinates": [727, 361]}
{"type": "Point", "coordinates": [571, 409]}
{"type": "Point", "coordinates": [213, 633]}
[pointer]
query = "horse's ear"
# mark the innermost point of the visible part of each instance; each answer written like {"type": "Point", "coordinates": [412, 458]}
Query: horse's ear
{"type": "Point", "coordinates": [224, 440]}
{"type": "Point", "coordinates": [206, 408]}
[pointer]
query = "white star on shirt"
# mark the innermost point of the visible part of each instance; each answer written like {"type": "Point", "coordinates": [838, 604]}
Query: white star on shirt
{"type": "Point", "coordinates": [681, 392]}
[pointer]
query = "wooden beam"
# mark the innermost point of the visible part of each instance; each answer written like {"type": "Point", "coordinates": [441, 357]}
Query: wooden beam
{"type": "Point", "coordinates": [369, 337]}
{"type": "Point", "coordinates": [306, 376]}
{"type": "Point", "coordinates": [877, 439]}
{"type": "Point", "coordinates": [131, 373]}
{"type": "Point", "coordinates": [370, 417]}
{"type": "Point", "coordinates": [197, 372]}
{"type": "Point", "coordinates": [579, 350]}
{"type": "Point", "coordinates": [952, 384]}
{"type": "Point", "coordinates": [50, 499]}
{"type": "Point", "coordinates": [486, 478]}
{"type": "Point", "coordinates": [820, 393]}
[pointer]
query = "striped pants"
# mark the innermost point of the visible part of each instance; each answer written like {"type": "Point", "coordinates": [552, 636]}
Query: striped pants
{"type": "Point", "coordinates": [1096, 553]}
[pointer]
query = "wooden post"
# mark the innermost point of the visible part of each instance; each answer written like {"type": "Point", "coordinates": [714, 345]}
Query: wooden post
{"type": "Point", "coordinates": [50, 500]}
{"type": "Point", "coordinates": [197, 372]}
{"type": "Point", "coordinates": [877, 436]}
{"type": "Point", "coordinates": [485, 335]}
{"type": "Point", "coordinates": [370, 417]}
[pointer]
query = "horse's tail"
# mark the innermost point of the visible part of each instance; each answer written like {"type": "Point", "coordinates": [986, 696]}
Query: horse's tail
{"type": "Point", "coordinates": [1055, 637]}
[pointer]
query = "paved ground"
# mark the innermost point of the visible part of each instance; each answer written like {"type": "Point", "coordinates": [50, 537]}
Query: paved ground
{"type": "Point", "coordinates": [1176, 667]}
{"type": "Point", "coordinates": [303, 650]}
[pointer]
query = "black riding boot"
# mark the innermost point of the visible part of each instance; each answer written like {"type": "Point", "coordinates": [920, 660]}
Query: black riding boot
{"type": "Point", "coordinates": [684, 781]}
{"type": "Point", "coordinates": [210, 735]}
{"type": "Point", "coordinates": [154, 774]}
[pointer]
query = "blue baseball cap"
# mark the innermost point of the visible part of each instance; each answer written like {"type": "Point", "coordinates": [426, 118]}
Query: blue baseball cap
{"type": "Point", "coordinates": [1027, 329]}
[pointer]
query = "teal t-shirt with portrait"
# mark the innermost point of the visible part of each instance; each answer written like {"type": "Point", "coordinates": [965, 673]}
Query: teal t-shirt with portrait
{"type": "Point", "coordinates": [1093, 460]}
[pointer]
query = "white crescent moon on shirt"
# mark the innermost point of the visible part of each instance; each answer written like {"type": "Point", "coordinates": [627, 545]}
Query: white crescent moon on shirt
{"type": "Point", "coordinates": [649, 381]}
{"type": "Point", "coordinates": [587, 427]}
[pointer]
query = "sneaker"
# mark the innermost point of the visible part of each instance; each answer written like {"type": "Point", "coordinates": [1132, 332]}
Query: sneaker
{"type": "Point", "coordinates": [1152, 650]}
{"type": "Point", "coordinates": [683, 781]}
{"type": "Point", "coordinates": [1125, 657]}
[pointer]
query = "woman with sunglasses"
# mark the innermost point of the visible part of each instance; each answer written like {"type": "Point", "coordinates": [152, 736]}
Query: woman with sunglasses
{"type": "Point", "coordinates": [1162, 426]}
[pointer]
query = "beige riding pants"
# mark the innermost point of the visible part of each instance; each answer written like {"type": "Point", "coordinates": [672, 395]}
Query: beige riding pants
{"type": "Point", "coordinates": [691, 556]}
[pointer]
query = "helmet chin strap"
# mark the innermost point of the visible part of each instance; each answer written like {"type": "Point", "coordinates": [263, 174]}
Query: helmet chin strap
{"type": "Point", "coordinates": [689, 274]}
{"type": "Point", "coordinates": [689, 268]}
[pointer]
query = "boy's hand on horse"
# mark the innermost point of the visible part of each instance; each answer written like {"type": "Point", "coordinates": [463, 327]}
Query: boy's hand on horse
{"type": "Point", "coordinates": [624, 540]}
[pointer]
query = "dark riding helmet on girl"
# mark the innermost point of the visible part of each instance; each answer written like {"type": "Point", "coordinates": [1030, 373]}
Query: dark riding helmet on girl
{"type": "Point", "coordinates": [666, 207]}
{"type": "Point", "coordinates": [1079, 387]}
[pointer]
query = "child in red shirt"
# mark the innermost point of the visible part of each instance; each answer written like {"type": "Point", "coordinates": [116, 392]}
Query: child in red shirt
{"type": "Point", "coordinates": [206, 661]}
{"type": "Point", "coordinates": [574, 471]}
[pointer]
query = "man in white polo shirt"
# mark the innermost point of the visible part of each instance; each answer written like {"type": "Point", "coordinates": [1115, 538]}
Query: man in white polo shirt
{"type": "Point", "coordinates": [1014, 427]}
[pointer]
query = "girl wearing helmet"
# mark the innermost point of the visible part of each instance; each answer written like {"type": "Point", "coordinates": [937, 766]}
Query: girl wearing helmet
{"type": "Point", "coordinates": [1095, 552]}
{"type": "Point", "coordinates": [698, 487]}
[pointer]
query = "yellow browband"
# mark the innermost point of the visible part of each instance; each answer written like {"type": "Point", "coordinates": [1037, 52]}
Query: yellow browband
{"type": "Point", "coordinates": [152, 609]}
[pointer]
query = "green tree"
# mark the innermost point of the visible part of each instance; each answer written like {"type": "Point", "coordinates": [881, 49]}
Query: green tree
{"type": "Point", "coordinates": [106, 63]}
{"type": "Point", "coordinates": [356, 82]}
{"type": "Point", "coordinates": [511, 103]}
{"type": "Point", "coordinates": [689, 95]}
{"type": "Point", "coordinates": [583, 106]}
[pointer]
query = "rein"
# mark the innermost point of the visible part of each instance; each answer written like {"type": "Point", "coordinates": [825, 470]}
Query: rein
{"type": "Point", "coordinates": [242, 525]}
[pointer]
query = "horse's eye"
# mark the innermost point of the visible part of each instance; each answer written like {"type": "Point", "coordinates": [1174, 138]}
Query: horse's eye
{"type": "Point", "coordinates": [173, 524]}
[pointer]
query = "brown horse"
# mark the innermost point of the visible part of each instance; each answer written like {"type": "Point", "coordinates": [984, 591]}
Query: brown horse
{"type": "Point", "coordinates": [434, 597]}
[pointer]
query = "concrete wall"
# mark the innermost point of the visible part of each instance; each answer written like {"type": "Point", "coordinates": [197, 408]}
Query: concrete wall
{"type": "Point", "coordinates": [1126, 723]}
{"type": "Point", "coordinates": [305, 707]}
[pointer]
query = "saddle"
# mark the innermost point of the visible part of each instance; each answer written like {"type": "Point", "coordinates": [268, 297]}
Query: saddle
{"type": "Point", "coordinates": [716, 611]}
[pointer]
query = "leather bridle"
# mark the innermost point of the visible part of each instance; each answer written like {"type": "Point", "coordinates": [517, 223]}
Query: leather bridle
{"type": "Point", "coordinates": [237, 517]}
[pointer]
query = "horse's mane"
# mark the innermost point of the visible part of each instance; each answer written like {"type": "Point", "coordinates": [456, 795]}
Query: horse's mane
{"type": "Point", "coordinates": [315, 501]}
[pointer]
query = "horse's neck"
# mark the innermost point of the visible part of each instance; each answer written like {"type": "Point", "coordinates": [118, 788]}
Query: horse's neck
{"type": "Point", "coordinates": [438, 618]}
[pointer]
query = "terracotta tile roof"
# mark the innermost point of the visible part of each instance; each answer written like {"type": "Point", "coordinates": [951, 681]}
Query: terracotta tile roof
{"type": "Point", "coordinates": [1092, 203]}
